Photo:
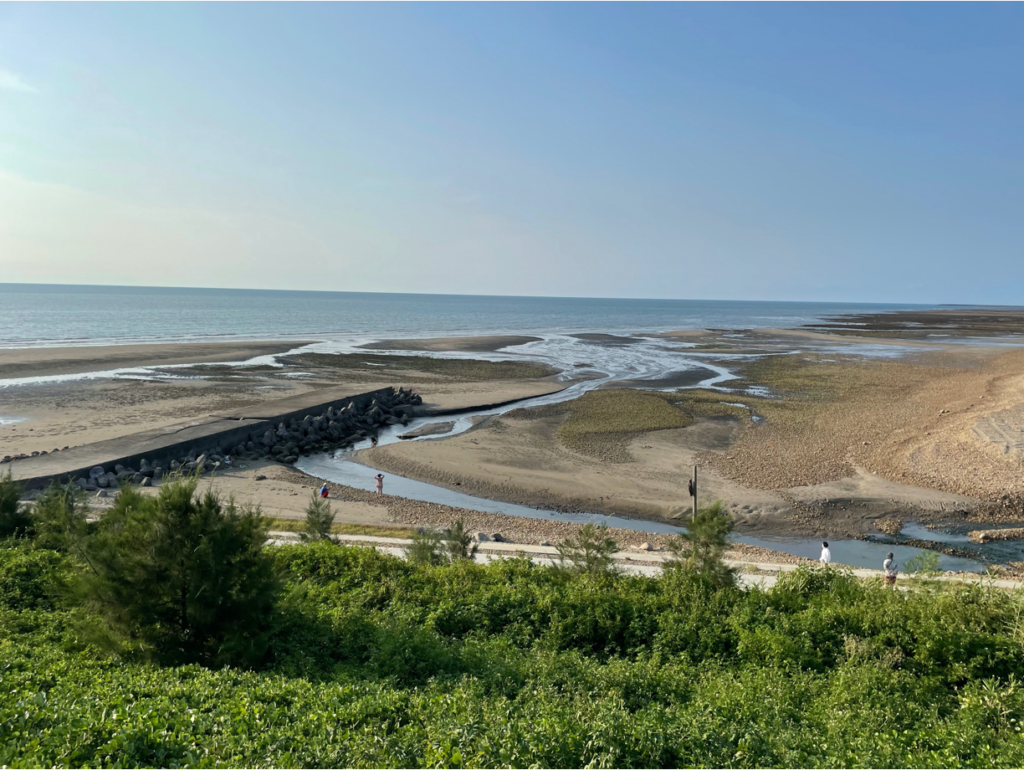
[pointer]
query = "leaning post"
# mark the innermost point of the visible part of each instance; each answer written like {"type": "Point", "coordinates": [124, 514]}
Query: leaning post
{"type": "Point", "coordinates": [693, 491]}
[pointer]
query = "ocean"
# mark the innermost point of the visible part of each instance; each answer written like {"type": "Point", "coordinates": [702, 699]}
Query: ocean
{"type": "Point", "coordinates": [44, 315]}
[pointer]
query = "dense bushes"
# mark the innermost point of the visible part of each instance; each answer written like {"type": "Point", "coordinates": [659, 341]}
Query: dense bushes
{"type": "Point", "coordinates": [376, 662]}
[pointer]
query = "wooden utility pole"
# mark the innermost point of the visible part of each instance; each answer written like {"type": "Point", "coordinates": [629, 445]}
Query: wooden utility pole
{"type": "Point", "coordinates": [693, 491]}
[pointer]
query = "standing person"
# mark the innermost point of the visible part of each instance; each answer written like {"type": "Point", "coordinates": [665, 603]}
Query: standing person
{"type": "Point", "coordinates": [889, 570]}
{"type": "Point", "coordinates": [324, 491]}
{"type": "Point", "coordinates": [379, 478]}
{"type": "Point", "coordinates": [826, 554]}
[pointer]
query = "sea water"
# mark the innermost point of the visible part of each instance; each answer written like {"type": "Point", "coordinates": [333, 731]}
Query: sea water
{"type": "Point", "coordinates": [33, 315]}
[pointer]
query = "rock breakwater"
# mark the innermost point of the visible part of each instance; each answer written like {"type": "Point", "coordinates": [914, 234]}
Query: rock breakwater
{"type": "Point", "coordinates": [335, 428]}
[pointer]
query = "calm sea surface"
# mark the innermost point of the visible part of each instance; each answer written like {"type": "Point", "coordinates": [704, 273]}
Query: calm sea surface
{"type": "Point", "coordinates": [33, 315]}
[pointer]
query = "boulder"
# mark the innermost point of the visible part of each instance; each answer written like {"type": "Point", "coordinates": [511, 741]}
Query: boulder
{"type": "Point", "coordinates": [137, 478]}
{"type": "Point", "coordinates": [96, 472]}
{"type": "Point", "coordinates": [497, 538]}
{"type": "Point", "coordinates": [645, 547]}
{"type": "Point", "coordinates": [102, 481]}
{"type": "Point", "coordinates": [481, 537]}
{"type": "Point", "coordinates": [101, 493]}
{"type": "Point", "coordinates": [174, 465]}
{"type": "Point", "coordinates": [146, 482]}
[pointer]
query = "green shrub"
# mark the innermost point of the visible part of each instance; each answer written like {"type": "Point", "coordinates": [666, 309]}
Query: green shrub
{"type": "Point", "coordinates": [13, 520]}
{"type": "Point", "coordinates": [701, 547]}
{"type": "Point", "coordinates": [319, 519]}
{"type": "Point", "coordinates": [590, 550]}
{"type": "Point", "coordinates": [58, 517]}
{"type": "Point", "coordinates": [180, 577]}
{"type": "Point", "coordinates": [374, 662]}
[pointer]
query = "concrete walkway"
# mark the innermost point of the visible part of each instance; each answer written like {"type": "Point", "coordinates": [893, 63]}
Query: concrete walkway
{"type": "Point", "coordinates": [749, 574]}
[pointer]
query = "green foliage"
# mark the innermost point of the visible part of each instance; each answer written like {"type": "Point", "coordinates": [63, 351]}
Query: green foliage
{"type": "Point", "coordinates": [58, 517]}
{"type": "Point", "coordinates": [319, 519]}
{"type": "Point", "coordinates": [589, 550]}
{"type": "Point", "coordinates": [701, 548]}
{"type": "Point", "coordinates": [13, 520]}
{"type": "Point", "coordinates": [458, 542]}
{"type": "Point", "coordinates": [379, 663]}
{"type": "Point", "coordinates": [180, 577]}
{"type": "Point", "coordinates": [30, 578]}
{"type": "Point", "coordinates": [427, 547]}
{"type": "Point", "coordinates": [924, 564]}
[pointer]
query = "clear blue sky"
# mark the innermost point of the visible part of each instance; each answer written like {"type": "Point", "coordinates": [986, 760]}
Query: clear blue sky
{"type": "Point", "coordinates": [863, 152]}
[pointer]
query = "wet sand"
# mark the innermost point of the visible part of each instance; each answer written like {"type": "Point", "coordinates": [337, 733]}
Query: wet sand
{"type": "Point", "coordinates": [39, 362]}
{"type": "Point", "coordinates": [483, 344]}
{"type": "Point", "coordinates": [851, 445]}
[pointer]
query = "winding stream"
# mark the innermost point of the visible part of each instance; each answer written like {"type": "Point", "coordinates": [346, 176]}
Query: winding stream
{"type": "Point", "coordinates": [341, 468]}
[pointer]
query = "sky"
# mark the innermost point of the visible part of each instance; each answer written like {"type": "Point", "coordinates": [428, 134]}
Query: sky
{"type": "Point", "coordinates": [797, 151]}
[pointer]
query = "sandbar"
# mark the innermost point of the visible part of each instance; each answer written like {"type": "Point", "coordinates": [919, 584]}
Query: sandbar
{"type": "Point", "coordinates": [482, 344]}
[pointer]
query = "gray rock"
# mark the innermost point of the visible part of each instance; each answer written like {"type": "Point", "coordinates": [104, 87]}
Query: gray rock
{"type": "Point", "coordinates": [174, 465]}
{"type": "Point", "coordinates": [101, 493]}
{"type": "Point", "coordinates": [137, 478]}
{"type": "Point", "coordinates": [146, 482]}
{"type": "Point", "coordinates": [260, 477]}
{"type": "Point", "coordinates": [645, 547]}
{"type": "Point", "coordinates": [96, 472]}
{"type": "Point", "coordinates": [497, 538]}
{"type": "Point", "coordinates": [481, 537]}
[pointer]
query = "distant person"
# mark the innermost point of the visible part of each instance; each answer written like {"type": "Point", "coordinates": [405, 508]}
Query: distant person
{"type": "Point", "coordinates": [324, 491]}
{"type": "Point", "coordinates": [379, 478]}
{"type": "Point", "coordinates": [889, 570]}
{"type": "Point", "coordinates": [373, 441]}
{"type": "Point", "coordinates": [826, 554]}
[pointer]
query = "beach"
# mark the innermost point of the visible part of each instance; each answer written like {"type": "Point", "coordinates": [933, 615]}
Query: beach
{"type": "Point", "coordinates": [800, 432]}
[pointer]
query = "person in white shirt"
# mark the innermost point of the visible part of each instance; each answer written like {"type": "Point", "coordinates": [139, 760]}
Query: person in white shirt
{"type": "Point", "coordinates": [889, 570]}
{"type": "Point", "coordinates": [826, 555]}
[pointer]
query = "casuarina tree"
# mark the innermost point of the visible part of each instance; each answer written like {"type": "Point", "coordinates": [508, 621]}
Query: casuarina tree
{"type": "Point", "coordinates": [458, 542]}
{"type": "Point", "coordinates": [589, 550]}
{"type": "Point", "coordinates": [319, 519]}
{"type": "Point", "coordinates": [13, 520]}
{"type": "Point", "coordinates": [702, 547]}
{"type": "Point", "coordinates": [181, 577]}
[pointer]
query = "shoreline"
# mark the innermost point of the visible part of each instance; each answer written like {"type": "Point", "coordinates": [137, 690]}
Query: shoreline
{"type": "Point", "coordinates": [819, 466]}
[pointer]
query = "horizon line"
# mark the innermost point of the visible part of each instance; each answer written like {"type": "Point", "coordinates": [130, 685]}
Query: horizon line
{"type": "Point", "coordinates": [507, 296]}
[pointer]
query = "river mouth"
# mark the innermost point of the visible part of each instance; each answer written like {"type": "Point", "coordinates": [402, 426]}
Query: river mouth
{"type": "Point", "coordinates": [346, 467]}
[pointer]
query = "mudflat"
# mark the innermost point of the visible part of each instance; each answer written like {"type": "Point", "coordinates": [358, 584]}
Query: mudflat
{"type": "Point", "coordinates": [40, 362]}
{"type": "Point", "coordinates": [842, 446]}
{"type": "Point", "coordinates": [482, 344]}
{"type": "Point", "coordinates": [61, 414]}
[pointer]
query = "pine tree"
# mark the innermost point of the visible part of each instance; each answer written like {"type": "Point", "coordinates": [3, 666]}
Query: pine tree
{"type": "Point", "coordinates": [426, 548]}
{"type": "Point", "coordinates": [181, 577]}
{"type": "Point", "coordinates": [13, 520]}
{"type": "Point", "coordinates": [319, 519]}
{"type": "Point", "coordinates": [702, 547]}
{"type": "Point", "coordinates": [58, 517]}
{"type": "Point", "coordinates": [589, 550]}
{"type": "Point", "coordinates": [458, 542]}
